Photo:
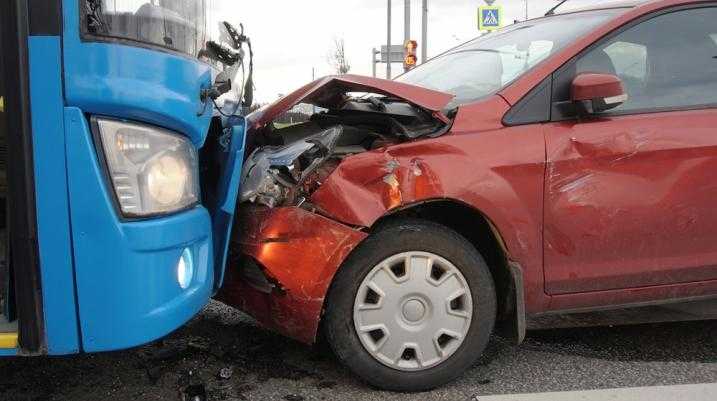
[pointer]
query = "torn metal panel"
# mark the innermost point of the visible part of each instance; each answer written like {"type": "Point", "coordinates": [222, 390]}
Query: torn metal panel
{"type": "Point", "coordinates": [330, 92]}
{"type": "Point", "coordinates": [270, 174]}
{"type": "Point", "coordinates": [299, 253]}
{"type": "Point", "coordinates": [367, 186]}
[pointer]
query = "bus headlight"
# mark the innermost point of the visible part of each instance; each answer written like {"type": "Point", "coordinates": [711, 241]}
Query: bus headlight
{"type": "Point", "coordinates": [153, 170]}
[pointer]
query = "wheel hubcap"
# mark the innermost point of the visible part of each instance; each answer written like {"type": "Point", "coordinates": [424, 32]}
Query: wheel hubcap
{"type": "Point", "coordinates": [413, 311]}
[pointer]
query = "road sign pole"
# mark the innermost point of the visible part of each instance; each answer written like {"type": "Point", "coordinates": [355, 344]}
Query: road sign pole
{"type": "Point", "coordinates": [374, 52]}
{"type": "Point", "coordinates": [424, 36]}
{"type": "Point", "coordinates": [406, 24]}
{"type": "Point", "coordinates": [388, 41]}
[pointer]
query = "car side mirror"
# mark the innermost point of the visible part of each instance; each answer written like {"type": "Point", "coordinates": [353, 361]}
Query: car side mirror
{"type": "Point", "coordinates": [596, 93]}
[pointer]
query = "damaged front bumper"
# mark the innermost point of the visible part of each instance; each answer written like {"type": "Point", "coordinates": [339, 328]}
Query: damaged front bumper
{"type": "Point", "coordinates": [283, 265]}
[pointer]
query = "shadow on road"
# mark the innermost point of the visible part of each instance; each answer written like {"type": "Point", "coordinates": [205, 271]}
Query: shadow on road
{"type": "Point", "coordinates": [223, 354]}
{"type": "Point", "coordinates": [664, 342]}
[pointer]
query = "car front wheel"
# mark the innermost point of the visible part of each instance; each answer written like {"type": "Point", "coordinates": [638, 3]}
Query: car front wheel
{"type": "Point", "coordinates": [412, 308]}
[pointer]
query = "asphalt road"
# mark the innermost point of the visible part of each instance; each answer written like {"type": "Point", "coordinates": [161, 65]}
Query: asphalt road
{"type": "Point", "coordinates": [259, 365]}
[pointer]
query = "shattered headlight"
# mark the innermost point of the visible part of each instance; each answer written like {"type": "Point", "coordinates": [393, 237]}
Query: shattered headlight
{"type": "Point", "coordinates": [153, 171]}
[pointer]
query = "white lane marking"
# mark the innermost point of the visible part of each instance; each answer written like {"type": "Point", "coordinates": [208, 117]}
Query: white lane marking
{"type": "Point", "coordinates": [689, 392]}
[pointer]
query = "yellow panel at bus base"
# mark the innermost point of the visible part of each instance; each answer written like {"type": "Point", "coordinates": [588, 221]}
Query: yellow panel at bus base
{"type": "Point", "coordinates": [8, 340]}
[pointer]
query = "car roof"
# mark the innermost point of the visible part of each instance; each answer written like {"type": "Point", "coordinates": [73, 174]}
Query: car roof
{"type": "Point", "coordinates": [600, 5]}
{"type": "Point", "coordinates": [579, 6]}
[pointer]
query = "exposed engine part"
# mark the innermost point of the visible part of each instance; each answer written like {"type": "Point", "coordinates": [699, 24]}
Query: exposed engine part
{"type": "Point", "coordinates": [289, 164]}
{"type": "Point", "coordinates": [272, 175]}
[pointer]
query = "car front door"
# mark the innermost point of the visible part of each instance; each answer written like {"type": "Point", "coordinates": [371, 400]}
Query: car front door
{"type": "Point", "coordinates": [630, 195]}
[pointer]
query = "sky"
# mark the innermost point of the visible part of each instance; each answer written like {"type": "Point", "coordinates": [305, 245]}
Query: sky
{"type": "Point", "coordinates": [290, 38]}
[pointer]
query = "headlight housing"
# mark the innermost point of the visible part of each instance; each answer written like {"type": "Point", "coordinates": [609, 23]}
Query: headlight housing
{"type": "Point", "coordinates": [153, 170]}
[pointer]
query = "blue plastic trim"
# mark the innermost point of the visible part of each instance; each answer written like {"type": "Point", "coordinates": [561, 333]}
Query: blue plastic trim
{"type": "Point", "coordinates": [53, 220]}
{"type": "Point", "coordinates": [127, 287]}
{"type": "Point", "coordinates": [232, 159]}
{"type": "Point", "coordinates": [231, 180]}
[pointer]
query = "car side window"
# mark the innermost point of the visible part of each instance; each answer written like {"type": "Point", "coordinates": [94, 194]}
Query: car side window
{"type": "Point", "coordinates": [667, 62]}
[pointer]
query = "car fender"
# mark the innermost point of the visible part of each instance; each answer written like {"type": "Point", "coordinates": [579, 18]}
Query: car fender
{"type": "Point", "coordinates": [483, 169]}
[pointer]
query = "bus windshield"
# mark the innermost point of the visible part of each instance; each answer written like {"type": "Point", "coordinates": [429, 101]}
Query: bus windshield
{"type": "Point", "coordinates": [179, 25]}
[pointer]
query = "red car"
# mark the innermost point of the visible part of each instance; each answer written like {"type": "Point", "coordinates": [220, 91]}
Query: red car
{"type": "Point", "coordinates": [564, 164]}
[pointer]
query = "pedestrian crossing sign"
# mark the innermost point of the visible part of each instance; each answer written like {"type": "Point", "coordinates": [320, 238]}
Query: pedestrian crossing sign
{"type": "Point", "coordinates": [490, 18]}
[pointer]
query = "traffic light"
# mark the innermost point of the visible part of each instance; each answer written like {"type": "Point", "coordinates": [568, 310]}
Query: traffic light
{"type": "Point", "coordinates": [410, 59]}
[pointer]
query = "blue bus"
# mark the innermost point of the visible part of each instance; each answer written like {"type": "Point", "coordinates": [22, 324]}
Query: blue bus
{"type": "Point", "coordinates": [120, 153]}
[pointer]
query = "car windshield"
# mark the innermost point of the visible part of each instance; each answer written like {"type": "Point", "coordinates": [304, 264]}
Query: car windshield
{"type": "Point", "coordinates": [487, 64]}
{"type": "Point", "coordinates": [179, 25]}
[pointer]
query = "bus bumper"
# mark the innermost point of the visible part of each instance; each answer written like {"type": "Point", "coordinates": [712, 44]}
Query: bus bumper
{"type": "Point", "coordinates": [127, 272]}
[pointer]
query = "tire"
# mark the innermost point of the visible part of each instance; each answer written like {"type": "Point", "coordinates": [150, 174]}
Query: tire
{"type": "Point", "coordinates": [415, 237]}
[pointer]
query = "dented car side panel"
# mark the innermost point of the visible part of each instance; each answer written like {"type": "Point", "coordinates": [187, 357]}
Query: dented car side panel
{"type": "Point", "coordinates": [630, 202]}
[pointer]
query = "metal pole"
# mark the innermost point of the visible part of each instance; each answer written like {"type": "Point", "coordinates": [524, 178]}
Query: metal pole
{"type": "Point", "coordinates": [526, 10]}
{"type": "Point", "coordinates": [374, 61]}
{"type": "Point", "coordinates": [406, 25]}
{"type": "Point", "coordinates": [407, 20]}
{"type": "Point", "coordinates": [388, 43]}
{"type": "Point", "coordinates": [424, 36]}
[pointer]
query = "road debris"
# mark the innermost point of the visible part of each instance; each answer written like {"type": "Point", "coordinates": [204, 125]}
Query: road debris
{"type": "Point", "coordinates": [197, 392]}
{"type": "Point", "coordinates": [226, 373]}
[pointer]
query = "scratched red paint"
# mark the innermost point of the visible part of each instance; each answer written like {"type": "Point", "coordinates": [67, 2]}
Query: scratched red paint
{"type": "Point", "coordinates": [596, 213]}
{"type": "Point", "coordinates": [301, 251]}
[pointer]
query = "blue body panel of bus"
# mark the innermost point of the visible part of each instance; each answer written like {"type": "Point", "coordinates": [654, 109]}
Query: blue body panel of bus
{"type": "Point", "coordinates": [110, 283]}
{"type": "Point", "coordinates": [51, 196]}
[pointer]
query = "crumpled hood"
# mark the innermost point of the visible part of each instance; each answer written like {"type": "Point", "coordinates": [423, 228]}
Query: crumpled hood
{"type": "Point", "coordinates": [329, 92]}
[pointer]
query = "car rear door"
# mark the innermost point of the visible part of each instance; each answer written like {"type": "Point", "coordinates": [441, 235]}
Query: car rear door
{"type": "Point", "coordinates": [630, 196]}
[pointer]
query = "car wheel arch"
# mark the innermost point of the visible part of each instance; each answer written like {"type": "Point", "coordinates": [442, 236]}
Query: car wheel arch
{"type": "Point", "coordinates": [487, 239]}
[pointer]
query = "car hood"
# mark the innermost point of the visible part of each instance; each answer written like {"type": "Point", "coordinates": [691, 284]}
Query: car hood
{"type": "Point", "coordinates": [329, 92]}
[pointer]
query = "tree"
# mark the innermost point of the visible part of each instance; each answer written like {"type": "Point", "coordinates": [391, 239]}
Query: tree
{"type": "Point", "coordinates": [337, 57]}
